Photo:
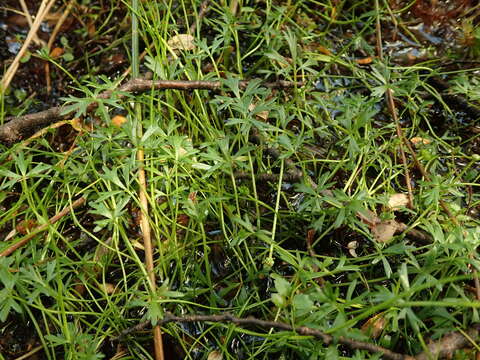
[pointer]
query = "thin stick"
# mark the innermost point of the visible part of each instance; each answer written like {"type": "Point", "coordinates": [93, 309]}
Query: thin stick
{"type": "Point", "coordinates": [250, 321]}
{"type": "Point", "coordinates": [12, 131]}
{"type": "Point", "coordinates": [144, 224]}
{"type": "Point", "coordinates": [393, 110]}
{"type": "Point", "coordinates": [55, 31]}
{"type": "Point", "coordinates": [43, 227]}
{"type": "Point", "coordinates": [27, 15]}
{"type": "Point", "coordinates": [403, 140]}
{"type": "Point", "coordinates": [29, 354]}
{"type": "Point", "coordinates": [201, 14]}
{"type": "Point", "coordinates": [448, 344]}
{"type": "Point", "coordinates": [12, 69]}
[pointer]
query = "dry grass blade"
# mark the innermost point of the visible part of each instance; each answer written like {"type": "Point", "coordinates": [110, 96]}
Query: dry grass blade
{"type": "Point", "coordinates": [10, 73]}
{"type": "Point", "coordinates": [36, 39]}
{"type": "Point", "coordinates": [43, 227]}
{"type": "Point", "coordinates": [55, 32]}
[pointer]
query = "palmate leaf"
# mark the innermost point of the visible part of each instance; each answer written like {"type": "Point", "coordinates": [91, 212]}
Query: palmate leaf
{"type": "Point", "coordinates": [77, 105]}
{"type": "Point", "coordinates": [7, 305]}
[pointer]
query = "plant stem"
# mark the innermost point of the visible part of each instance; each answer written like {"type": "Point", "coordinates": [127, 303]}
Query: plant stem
{"type": "Point", "coordinates": [145, 225]}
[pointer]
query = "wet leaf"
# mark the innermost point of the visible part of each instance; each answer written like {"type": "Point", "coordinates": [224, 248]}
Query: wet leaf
{"type": "Point", "coordinates": [182, 219]}
{"type": "Point", "coordinates": [91, 29]}
{"type": "Point", "coordinates": [182, 42]}
{"type": "Point", "coordinates": [324, 50]}
{"type": "Point", "coordinates": [80, 126]}
{"type": "Point", "coordinates": [368, 217]}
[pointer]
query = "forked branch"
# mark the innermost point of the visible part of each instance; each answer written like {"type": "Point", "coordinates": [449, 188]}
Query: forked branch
{"type": "Point", "coordinates": [16, 127]}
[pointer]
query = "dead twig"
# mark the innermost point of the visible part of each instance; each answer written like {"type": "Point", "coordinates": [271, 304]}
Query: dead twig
{"type": "Point", "coordinates": [418, 235]}
{"type": "Point", "coordinates": [147, 243]}
{"type": "Point", "coordinates": [43, 227]}
{"type": "Point", "coordinates": [448, 344]}
{"type": "Point", "coordinates": [201, 14]}
{"type": "Point", "coordinates": [12, 69]}
{"type": "Point", "coordinates": [289, 177]}
{"type": "Point", "coordinates": [393, 111]}
{"type": "Point", "coordinates": [146, 234]}
{"type": "Point", "coordinates": [29, 355]}
{"type": "Point", "coordinates": [144, 208]}
{"type": "Point", "coordinates": [27, 15]}
{"type": "Point", "coordinates": [55, 32]}
{"type": "Point", "coordinates": [441, 349]}
{"type": "Point", "coordinates": [14, 129]}
{"type": "Point", "coordinates": [250, 321]}
{"type": "Point", "coordinates": [403, 140]}
{"type": "Point", "coordinates": [455, 101]}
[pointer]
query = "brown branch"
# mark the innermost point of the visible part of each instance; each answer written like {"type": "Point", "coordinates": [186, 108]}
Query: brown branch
{"type": "Point", "coordinates": [441, 349]}
{"type": "Point", "coordinates": [418, 235]}
{"type": "Point", "coordinates": [43, 227]}
{"type": "Point", "coordinates": [250, 321]}
{"type": "Point", "coordinates": [456, 101]}
{"type": "Point", "coordinates": [14, 129]}
{"type": "Point", "coordinates": [201, 14]}
{"type": "Point", "coordinates": [52, 39]}
{"type": "Point", "coordinates": [291, 176]}
{"type": "Point", "coordinates": [146, 231]}
{"type": "Point", "coordinates": [393, 110]}
{"type": "Point", "coordinates": [448, 344]}
{"type": "Point", "coordinates": [403, 140]}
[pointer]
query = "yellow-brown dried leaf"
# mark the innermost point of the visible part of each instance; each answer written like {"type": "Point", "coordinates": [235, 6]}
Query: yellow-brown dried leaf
{"type": "Point", "coordinates": [397, 201]}
{"type": "Point", "coordinates": [182, 42]}
{"type": "Point", "coordinates": [374, 326]}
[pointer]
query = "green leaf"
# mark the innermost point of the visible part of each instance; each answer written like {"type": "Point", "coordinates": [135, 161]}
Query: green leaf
{"type": "Point", "coordinates": [403, 274]}
{"type": "Point", "coordinates": [282, 286]}
{"type": "Point", "coordinates": [303, 304]}
{"type": "Point", "coordinates": [279, 300]}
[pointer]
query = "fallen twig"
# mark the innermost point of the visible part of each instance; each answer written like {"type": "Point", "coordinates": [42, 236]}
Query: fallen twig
{"type": "Point", "coordinates": [27, 15]}
{"type": "Point", "coordinates": [403, 140]}
{"type": "Point", "coordinates": [144, 216]}
{"type": "Point", "coordinates": [448, 344]}
{"type": "Point", "coordinates": [14, 129]}
{"type": "Point", "coordinates": [456, 101]}
{"type": "Point", "coordinates": [43, 227]}
{"type": "Point", "coordinates": [250, 321]}
{"type": "Point", "coordinates": [10, 73]}
{"type": "Point", "coordinates": [291, 176]}
{"type": "Point", "coordinates": [55, 32]}
{"type": "Point", "coordinates": [201, 14]}
{"type": "Point", "coordinates": [441, 349]}
{"type": "Point", "coordinates": [393, 112]}
{"type": "Point", "coordinates": [418, 235]}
